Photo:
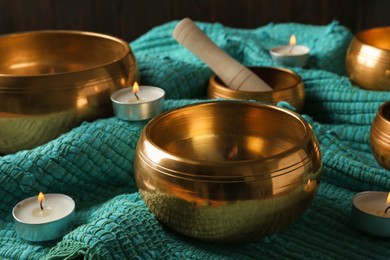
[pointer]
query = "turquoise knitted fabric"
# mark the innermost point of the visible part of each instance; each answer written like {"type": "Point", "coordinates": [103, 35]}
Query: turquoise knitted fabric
{"type": "Point", "coordinates": [93, 163]}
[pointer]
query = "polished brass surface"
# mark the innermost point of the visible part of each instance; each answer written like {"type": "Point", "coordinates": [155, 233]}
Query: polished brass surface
{"type": "Point", "coordinates": [51, 81]}
{"type": "Point", "coordinates": [287, 85]}
{"type": "Point", "coordinates": [380, 135]}
{"type": "Point", "coordinates": [368, 59]}
{"type": "Point", "coordinates": [228, 171]}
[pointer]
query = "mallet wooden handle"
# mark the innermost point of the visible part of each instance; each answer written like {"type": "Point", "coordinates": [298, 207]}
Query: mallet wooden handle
{"type": "Point", "coordinates": [230, 71]}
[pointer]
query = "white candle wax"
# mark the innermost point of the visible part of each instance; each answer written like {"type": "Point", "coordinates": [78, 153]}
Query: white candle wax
{"type": "Point", "coordinates": [55, 207]}
{"type": "Point", "coordinates": [373, 203]}
{"type": "Point", "coordinates": [291, 50]}
{"type": "Point", "coordinates": [145, 94]}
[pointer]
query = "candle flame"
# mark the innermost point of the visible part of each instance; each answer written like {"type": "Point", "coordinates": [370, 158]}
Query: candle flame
{"type": "Point", "coordinates": [307, 186]}
{"type": "Point", "coordinates": [135, 87]}
{"type": "Point", "coordinates": [232, 153]}
{"type": "Point", "coordinates": [41, 197]}
{"type": "Point", "coordinates": [293, 40]}
{"type": "Point", "coordinates": [310, 185]}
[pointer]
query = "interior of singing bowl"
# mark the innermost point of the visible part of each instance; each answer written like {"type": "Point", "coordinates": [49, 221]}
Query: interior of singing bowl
{"type": "Point", "coordinates": [48, 52]}
{"type": "Point", "coordinates": [286, 84]}
{"type": "Point", "coordinates": [277, 78]}
{"type": "Point", "coordinates": [221, 132]}
{"type": "Point", "coordinates": [377, 37]}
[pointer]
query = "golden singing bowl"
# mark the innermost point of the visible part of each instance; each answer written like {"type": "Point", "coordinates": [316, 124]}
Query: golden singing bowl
{"type": "Point", "coordinates": [287, 85]}
{"type": "Point", "coordinates": [380, 135]}
{"type": "Point", "coordinates": [368, 59]}
{"type": "Point", "coordinates": [228, 171]}
{"type": "Point", "coordinates": [51, 81]}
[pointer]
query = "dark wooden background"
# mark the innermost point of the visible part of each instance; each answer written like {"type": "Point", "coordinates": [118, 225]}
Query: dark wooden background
{"type": "Point", "coordinates": [128, 19]}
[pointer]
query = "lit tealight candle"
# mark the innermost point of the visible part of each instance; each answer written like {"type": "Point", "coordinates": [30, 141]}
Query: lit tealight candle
{"type": "Point", "coordinates": [371, 212]}
{"type": "Point", "coordinates": [44, 217]}
{"type": "Point", "coordinates": [138, 103]}
{"type": "Point", "coordinates": [291, 55]}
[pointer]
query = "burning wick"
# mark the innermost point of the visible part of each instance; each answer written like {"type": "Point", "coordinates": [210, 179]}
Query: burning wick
{"type": "Point", "coordinates": [387, 202]}
{"type": "Point", "coordinates": [293, 41]}
{"type": "Point", "coordinates": [233, 153]}
{"type": "Point", "coordinates": [41, 198]}
{"type": "Point", "coordinates": [136, 89]}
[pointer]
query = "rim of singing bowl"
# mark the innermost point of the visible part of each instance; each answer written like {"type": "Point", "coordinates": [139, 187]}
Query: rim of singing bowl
{"type": "Point", "coordinates": [377, 37]}
{"type": "Point", "coordinates": [164, 165]}
{"type": "Point", "coordinates": [72, 41]}
{"type": "Point", "coordinates": [384, 111]}
{"type": "Point", "coordinates": [383, 117]}
{"type": "Point", "coordinates": [267, 70]}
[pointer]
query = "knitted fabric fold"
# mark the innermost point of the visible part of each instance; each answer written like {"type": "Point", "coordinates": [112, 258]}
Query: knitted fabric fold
{"type": "Point", "coordinates": [93, 163]}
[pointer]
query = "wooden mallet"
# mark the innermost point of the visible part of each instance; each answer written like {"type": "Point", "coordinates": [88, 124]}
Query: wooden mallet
{"type": "Point", "coordinates": [230, 71]}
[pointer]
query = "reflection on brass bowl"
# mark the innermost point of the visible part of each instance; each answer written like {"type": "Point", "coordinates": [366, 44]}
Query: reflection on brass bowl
{"type": "Point", "coordinates": [287, 85]}
{"type": "Point", "coordinates": [380, 136]}
{"type": "Point", "coordinates": [228, 171]}
{"type": "Point", "coordinates": [51, 81]}
{"type": "Point", "coordinates": [368, 59]}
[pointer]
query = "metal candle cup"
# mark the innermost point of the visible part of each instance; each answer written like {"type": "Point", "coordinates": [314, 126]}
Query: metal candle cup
{"type": "Point", "coordinates": [53, 221]}
{"type": "Point", "coordinates": [368, 213]}
{"type": "Point", "coordinates": [128, 107]}
{"type": "Point", "coordinates": [291, 55]}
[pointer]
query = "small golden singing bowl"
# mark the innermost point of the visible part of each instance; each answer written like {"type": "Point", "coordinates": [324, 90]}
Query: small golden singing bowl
{"type": "Point", "coordinates": [287, 85]}
{"type": "Point", "coordinates": [228, 171]}
{"type": "Point", "coordinates": [368, 59]}
{"type": "Point", "coordinates": [380, 135]}
{"type": "Point", "coordinates": [51, 81]}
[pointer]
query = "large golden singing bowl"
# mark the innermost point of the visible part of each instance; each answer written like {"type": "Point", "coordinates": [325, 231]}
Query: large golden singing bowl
{"type": "Point", "coordinates": [368, 59]}
{"type": "Point", "coordinates": [227, 171]}
{"type": "Point", "coordinates": [51, 81]}
{"type": "Point", "coordinates": [287, 85]}
{"type": "Point", "coordinates": [380, 135]}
